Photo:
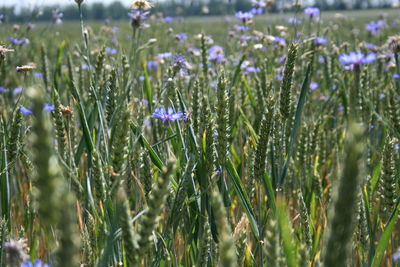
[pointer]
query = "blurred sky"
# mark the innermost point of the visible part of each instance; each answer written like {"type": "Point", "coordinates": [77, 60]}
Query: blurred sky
{"type": "Point", "coordinates": [27, 3]}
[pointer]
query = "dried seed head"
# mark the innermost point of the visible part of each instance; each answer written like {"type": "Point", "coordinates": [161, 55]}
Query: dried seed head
{"type": "Point", "coordinates": [16, 249]}
{"type": "Point", "coordinates": [141, 4]}
{"type": "Point", "coordinates": [79, 2]}
{"type": "Point", "coordinates": [25, 68]}
{"type": "Point", "coordinates": [394, 43]}
{"type": "Point", "coordinates": [4, 50]}
{"type": "Point", "coordinates": [66, 110]}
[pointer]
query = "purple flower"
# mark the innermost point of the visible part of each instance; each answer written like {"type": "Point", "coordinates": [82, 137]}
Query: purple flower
{"type": "Point", "coordinates": [321, 60]}
{"type": "Point", "coordinates": [3, 89]}
{"type": "Point", "coordinates": [216, 53]}
{"type": "Point", "coordinates": [167, 116]}
{"type": "Point", "coordinates": [25, 111]}
{"type": "Point", "coordinates": [180, 62]}
{"type": "Point", "coordinates": [37, 263]}
{"type": "Point", "coordinates": [355, 59]}
{"type": "Point", "coordinates": [281, 59]}
{"type": "Point", "coordinates": [257, 11]}
{"type": "Point", "coordinates": [86, 67]}
{"type": "Point", "coordinates": [252, 69]}
{"type": "Point", "coordinates": [57, 16]}
{"type": "Point", "coordinates": [164, 55]}
{"type": "Point", "coordinates": [294, 20]}
{"type": "Point", "coordinates": [141, 78]}
{"type": "Point", "coordinates": [138, 17]}
{"type": "Point", "coordinates": [14, 40]}
{"type": "Point", "coordinates": [313, 86]}
{"type": "Point", "coordinates": [320, 40]}
{"type": "Point", "coordinates": [244, 16]}
{"type": "Point", "coordinates": [114, 29]}
{"type": "Point", "coordinates": [312, 12]}
{"type": "Point", "coordinates": [22, 41]}
{"type": "Point", "coordinates": [152, 65]}
{"type": "Point", "coordinates": [169, 19]}
{"type": "Point", "coordinates": [396, 76]}
{"type": "Point", "coordinates": [370, 46]}
{"type": "Point", "coordinates": [375, 27]}
{"type": "Point", "coordinates": [258, 3]}
{"type": "Point", "coordinates": [110, 50]}
{"type": "Point", "coordinates": [279, 40]}
{"type": "Point", "coordinates": [214, 84]}
{"type": "Point", "coordinates": [279, 77]}
{"type": "Point", "coordinates": [38, 75]}
{"type": "Point", "coordinates": [181, 36]}
{"type": "Point", "coordinates": [17, 90]}
{"type": "Point", "coordinates": [194, 51]}
{"type": "Point", "coordinates": [48, 107]}
{"type": "Point", "coordinates": [241, 28]}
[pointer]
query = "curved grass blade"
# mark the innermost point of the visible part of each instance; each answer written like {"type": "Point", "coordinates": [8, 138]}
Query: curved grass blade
{"type": "Point", "coordinates": [385, 238]}
{"type": "Point", "coordinates": [243, 197]}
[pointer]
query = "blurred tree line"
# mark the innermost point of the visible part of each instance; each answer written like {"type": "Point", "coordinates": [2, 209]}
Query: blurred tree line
{"type": "Point", "coordinates": [117, 11]}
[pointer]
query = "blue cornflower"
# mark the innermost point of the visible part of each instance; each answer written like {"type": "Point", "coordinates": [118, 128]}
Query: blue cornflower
{"type": "Point", "coordinates": [244, 16]}
{"type": "Point", "coordinates": [3, 89]}
{"type": "Point", "coordinates": [279, 77]}
{"type": "Point", "coordinates": [152, 65]}
{"type": "Point", "coordinates": [38, 75]}
{"type": "Point", "coordinates": [320, 40]}
{"type": "Point", "coordinates": [279, 40]}
{"type": "Point", "coordinates": [180, 63]}
{"type": "Point", "coordinates": [164, 55]}
{"type": "Point", "coordinates": [138, 17]}
{"type": "Point", "coordinates": [17, 90]}
{"type": "Point", "coordinates": [257, 11]}
{"type": "Point", "coordinates": [86, 67]}
{"type": "Point", "coordinates": [57, 16]}
{"type": "Point", "coordinates": [115, 29]}
{"type": "Point", "coordinates": [37, 263]}
{"type": "Point", "coordinates": [167, 116]}
{"type": "Point", "coordinates": [194, 51]}
{"type": "Point", "coordinates": [111, 50]}
{"type": "Point", "coordinates": [22, 41]}
{"type": "Point", "coordinates": [181, 36]}
{"type": "Point", "coordinates": [355, 59]}
{"type": "Point", "coordinates": [396, 76]}
{"type": "Point", "coordinates": [312, 11]}
{"type": "Point", "coordinates": [48, 107]}
{"type": "Point", "coordinates": [313, 86]}
{"type": "Point", "coordinates": [214, 84]}
{"type": "Point", "coordinates": [294, 20]}
{"type": "Point", "coordinates": [141, 78]}
{"type": "Point", "coordinates": [281, 59]}
{"type": "Point", "coordinates": [241, 28]}
{"type": "Point", "coordinates": [25, 111]}
{"type": "Point", "coordinates": [252, 69]}
{"type": "Point", "coordinates": [375, 27]}
{"type": "Point", "coordinates": [258, 3]}
{"type": "Point", "coordinates": [216, 53]}
{"type": "Point", "coordinates": [370, 46]}
{"type": "Point", "coordinates": [169, 19]}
